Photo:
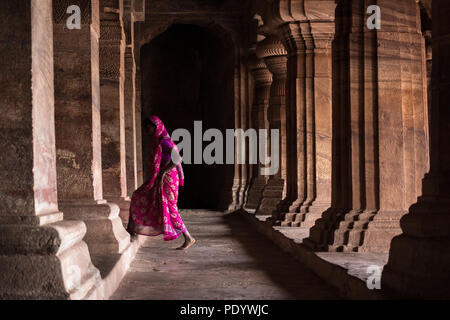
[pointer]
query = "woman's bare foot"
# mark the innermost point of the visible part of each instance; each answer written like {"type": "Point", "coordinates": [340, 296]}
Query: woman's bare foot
{"type": "Point", "coordinates": [187, 244]}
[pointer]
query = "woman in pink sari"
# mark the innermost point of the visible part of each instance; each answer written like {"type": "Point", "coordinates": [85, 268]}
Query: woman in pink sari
{"type": "Point", "coordinates": [154, 209]}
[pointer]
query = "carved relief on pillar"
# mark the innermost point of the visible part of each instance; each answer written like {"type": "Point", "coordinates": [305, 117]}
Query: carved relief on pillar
{"type": "Point", "coordinates": [111, 45]}
{"type": "Point", "coordinates": [274, 54]}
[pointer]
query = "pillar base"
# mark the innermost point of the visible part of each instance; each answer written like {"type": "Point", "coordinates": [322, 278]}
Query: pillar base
{"type": "Point", "coordinates": [105, 231]}
{"type": "Point", "coordinates": [424, 245]}
{"type": "Point", "coordinates": [242, 193]}
{"type": "Point", "coordinates": [230, 201]}
{"type": "Point", "coordinates": [379, 232]}
{"type": "Point", "coordinates": [271, 197]}
{"type": "Point", "coordinates": [305, 215]}
{"type": "Point", "coordinates": [124, 206]}
{"type": "Point", "coordinates": [286, 214]}
{"type": "Point", "coordinates": [355, 231]}
{"type": "Point", "coordinates": [46, 262]}
{"type": "Point", "coordinates": [255, 193]}
{"type": "Point", "coordinates": [284, 205]}
{"type": "Point", "coordinates": [341, 231]}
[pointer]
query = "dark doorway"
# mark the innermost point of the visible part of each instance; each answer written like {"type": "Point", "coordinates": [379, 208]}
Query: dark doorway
{"type": "Point", "coordinates": [188, 76]}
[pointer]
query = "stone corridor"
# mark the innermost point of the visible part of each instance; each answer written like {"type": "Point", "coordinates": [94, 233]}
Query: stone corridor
{"type": "Point", "coordinates": [363, 147]}
{"type": "Point", "coordinates": [230, 261]}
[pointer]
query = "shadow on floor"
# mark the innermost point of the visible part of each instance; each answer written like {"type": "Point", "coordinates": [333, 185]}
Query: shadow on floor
{"type": "Point", "coordinates": [230, 261]}
{"type": "Point", "coordinates": [284, 271]}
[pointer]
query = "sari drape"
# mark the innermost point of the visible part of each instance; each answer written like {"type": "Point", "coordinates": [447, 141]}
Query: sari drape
{"type": "Point", "coordinates": [154, 207]}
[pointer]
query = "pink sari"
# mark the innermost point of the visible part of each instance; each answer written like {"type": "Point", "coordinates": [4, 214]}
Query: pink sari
{"type": "Point", "coordinates": [154, 208]}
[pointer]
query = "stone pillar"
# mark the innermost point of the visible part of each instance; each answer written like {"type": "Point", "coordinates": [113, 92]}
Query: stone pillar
{"type": "Point", "coordinates": [249, 123]}
{"type": "Point", "coordinates": [77, 112]}
{"type": "Point", "coordinates": [232, 201]}
{"type": "Point", "coordinates": [356, 89]}
{"type": "Point", "coordinates": [130, 102]}
{"type": "Point", "coordinates": [401, 120]}
{"type": "Point", "coordinates": [138, 122]}
{"type": "Point", "coordinates": [235, 200]}
{"type": "Point", "coordinates": [112, 80]}
{"type": "Point", "coordinates": [41, 256]}
{"type": "Point", "coordinates": [319, 122]}
{"type": "Point", "coordinates": [274, 54]}
{"type": "Point", "coordinates": [262, 79]}
{"type": "Point", "coordinates": [296, 123]}
{"type": "Point", "coordinates": [138, 17]}
{"type": "Point", "coordinates": [130, 125]}
{"type": "Point", "coordinates": [387, 97]}
{"type": "Point", "coordinates": [309, 40]}
{"type": "Point", "coordinates": [243, 91]}
{"type": "Point", "coordinates": [419, 258]}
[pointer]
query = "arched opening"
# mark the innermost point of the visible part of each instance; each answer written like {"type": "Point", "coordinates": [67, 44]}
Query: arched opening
{"type": "Point", "coordinates": [187, 76]}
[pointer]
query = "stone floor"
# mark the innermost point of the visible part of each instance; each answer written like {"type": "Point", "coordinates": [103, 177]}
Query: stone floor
{"type": "Point", "coordinates": [230, 261]}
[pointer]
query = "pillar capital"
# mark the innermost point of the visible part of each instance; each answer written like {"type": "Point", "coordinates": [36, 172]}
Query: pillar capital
{"type": "Point", "coordinates": [301, 36]}
{"type": "Point", "coordinates": [259, 71]}
{"type": "Point", "coordinates": [274, 53]}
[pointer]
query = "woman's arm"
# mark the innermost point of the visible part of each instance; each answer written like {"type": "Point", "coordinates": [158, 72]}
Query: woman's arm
{"type": "Point", "coordinates": [168, 165]}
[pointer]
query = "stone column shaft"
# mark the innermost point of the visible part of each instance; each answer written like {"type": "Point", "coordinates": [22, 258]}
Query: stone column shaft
{"type": "Point", "coordinates": [233, 203]}
{"type": "Point", "coordinates": [425, 239]}
{"type": "Point", "coordinates": [77, 105]}
{"type": "Point", "coordinates": [138, 123]}
{"type": "Point", "coordinates": [296, 106]}
{"type": "Point", "coordinates": [112, 78]}
{"type": "Point", "coordinates": [401, 120]}
{"type": "Point", "coordinates": [309, 45]}
{"type": "Point", "coordinates": [112, 82]}
{"type": "Point", "coordinates": [274, 54]}
{"type": "Point", "coordinates": [243, 125]}
{"type": "Point", "coordinates": [262, 83]}
{"type": "Point", "coordinates": [387, 111]}
{"type": "Point", "coordinates": [130, 121]}
{"type": "Point", "coordinates": [41, 256]}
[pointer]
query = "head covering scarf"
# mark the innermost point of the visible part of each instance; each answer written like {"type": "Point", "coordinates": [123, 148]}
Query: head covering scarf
{"type": "Point", "coordinates": [161, 141]}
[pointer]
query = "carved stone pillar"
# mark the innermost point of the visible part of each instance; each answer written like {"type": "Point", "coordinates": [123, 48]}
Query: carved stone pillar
{"type": "Point", "coordinates": [139, 164]}
{"type": "Point", "coordinates": [41, 256]}
{"type": "Point", "coordinates": [355, 99]}
{"type": "Point", "coordinates": [386, 95]}
{"type": "Point", "coordinates": [308, 37]}
{"type": "Point", "coordinates": [319, 123]}
{"type": "Point", "coordinates": [130, 100]}
{"type": "Point", "coordinates": [112, 80]}
{"type": "Point", "coordinates": [137, 8]}
{"type": "Point", "coordinates": [262, 82]}
{"type": "Point", "coordinates": [243, 91]}
{"type": "Point", "coordinates": [130, 125]}
{"type": "Point", "coordinates": [234, 200]}
{"type": "Point", "coordinates": [231, 201]}
{"type": "Point", "coordinates": [419, 258]}
{"type": "Point", "coordinates": [77, 111]}
{"type": "Point", "coordinates": [274, 54]}
{"type": "Point", "coordinates": [401, 123]}
{"type": "Point", "coordinates": [296, 124]}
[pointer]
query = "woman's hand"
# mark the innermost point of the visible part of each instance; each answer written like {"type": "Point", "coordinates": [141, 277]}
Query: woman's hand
{"type": "Point", "coordinates": [160, 178]}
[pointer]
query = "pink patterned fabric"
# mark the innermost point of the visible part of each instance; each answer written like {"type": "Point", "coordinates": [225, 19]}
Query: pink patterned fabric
{"type": "Point", "coordinates": [154, 209]}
